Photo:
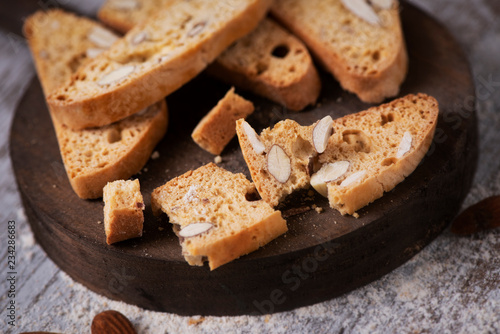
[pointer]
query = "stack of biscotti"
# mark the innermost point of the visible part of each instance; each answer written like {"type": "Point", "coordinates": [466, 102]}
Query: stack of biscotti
{"type": "Point", "coordinates": [153, 59]}
{"type": "Point", "coordinates": [269, 61]}
{"type": "Point", "coordinates": [216, 215]}
{"type": "Point", "coordinates": [59, 43]}
{"type": "Point", "coordinates": [359, 156]}
{"type": "Point", "coordinates": [360, 42]}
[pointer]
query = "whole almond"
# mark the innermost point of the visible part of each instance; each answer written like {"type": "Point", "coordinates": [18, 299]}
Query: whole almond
{"type": "Point", "coordinates": [481, 216]}
{"type": "Point", "coordinates": [111, 322]}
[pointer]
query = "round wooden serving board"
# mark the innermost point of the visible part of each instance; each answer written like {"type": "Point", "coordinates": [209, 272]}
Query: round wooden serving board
{"type": "Point", "coordinates": [321, 256]}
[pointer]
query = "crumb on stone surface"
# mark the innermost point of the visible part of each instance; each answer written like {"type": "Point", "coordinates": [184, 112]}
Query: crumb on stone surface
{"type": "Point", "coordinates": [196, 321]}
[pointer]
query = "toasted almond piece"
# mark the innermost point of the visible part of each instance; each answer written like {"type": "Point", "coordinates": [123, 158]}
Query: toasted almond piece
{"type": "Point", "coordinates": [278, 164]}
{"type": "Point", "coordinates": [353, 178]}
{"type": "Point", "coordinates": [125, 4]}
{"type": "Point", "coordinates": [197, 29]}
{"type": "Point", "coordinates": [253, 138]}
{"type": "Point", "coordinates": [363, 10]}
{"type": "Point", "coordinates": [405, 145]}
{"type": "Point", "coordinates": [101, 37]}
{"type": "Point", "coordinates": [116, 75]}
{"type": "Point", "coordinates": [321, 133]}
{"type": "Point", "coordinates": [382, 4]}
{"type": "Point", "coordinates": [195, 229]}
{"type": "Point", "coordinates": [327, 173]}
{"type": "Point", "coordinates": [94, 52]}
{"type": "Point", "coordinates": [139, 38]}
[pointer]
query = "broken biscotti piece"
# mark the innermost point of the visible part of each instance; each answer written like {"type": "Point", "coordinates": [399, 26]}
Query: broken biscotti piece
{"type": "Point", "coordinates": [153, 59]}
{"type": "Point", "coordinates": [217, 128]}
{"type": "Point", "coordinates": [278, 159]}
{"type": "Point", "coordinates": [269, 61]}
{"type": "Point", "coordinates": [216, 215]}
{"type": "Point", "coordinates": [372, 151]}
{"type": "Point", "coordinates": [361, 44]}
{"type": "Point", "coordinates": [123, 206]}
{"type": "Point", "coordinates": [59, 43]}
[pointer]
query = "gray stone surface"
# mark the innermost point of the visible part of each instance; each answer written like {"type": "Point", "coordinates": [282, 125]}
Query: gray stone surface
{"type": "Point", "coordinates": [452, 286]}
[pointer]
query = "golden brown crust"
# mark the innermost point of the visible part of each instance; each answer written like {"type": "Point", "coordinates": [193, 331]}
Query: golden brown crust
{"type": "Point", "coordinates": [76, 103]}
{"type": "Point", "coordinates": [372, 83]}
{"type": "Point", "coordinates": [416, 114]}
{"type": "Point", "coordinates": [273, 63]}
{"type": "Point", "coordinates": [89, 184]}
{"type": "Point", "coordinates": [123, 206]}
{"type": "Point", "coordinates": [218, 127]}
{"type": "Point", "coordinates": [213, 195]}
{"type": "Point", "coordinates": [108, 161]}
{"type": "Point", "coordinates": [243, 242]}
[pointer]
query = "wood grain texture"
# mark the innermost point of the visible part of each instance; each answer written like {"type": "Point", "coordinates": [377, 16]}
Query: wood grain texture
{"type": "Point", "coordinates": [336, 254]}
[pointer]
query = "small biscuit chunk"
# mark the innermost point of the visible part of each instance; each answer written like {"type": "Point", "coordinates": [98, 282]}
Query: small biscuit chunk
{"type": "Point", "coordinates": [218, 127]}
{"type": "Point", "coordinates": [123, 206]}
{"type": "Point", "coordinates": [217, 215]}
{"type": "Point", "coordinates": [281, 166]}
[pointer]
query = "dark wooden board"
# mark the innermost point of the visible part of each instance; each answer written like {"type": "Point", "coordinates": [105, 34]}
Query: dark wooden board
{"type": "Point", "coordinates": [322, 255]}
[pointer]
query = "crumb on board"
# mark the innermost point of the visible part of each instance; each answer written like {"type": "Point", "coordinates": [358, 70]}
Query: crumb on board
{"type": "Point", "coordinates": [160, 228]}
{"type": "Point", "coordinates": [218, 159]}
{"type": "Point", "coordinates": [99, 222]}
{"type": "Point", "coordinates": [155, 155]}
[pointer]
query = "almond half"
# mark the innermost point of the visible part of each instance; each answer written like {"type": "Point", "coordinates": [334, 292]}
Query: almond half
{"type": "Point", "coordinates": [278, 164]}
{"type": "Point", "coordinates": [125, 4]}
{"type": "Point", "coordinates": [195, 229]}
{"type": "Point", "coordinates": [353, 178]}
{"type": "Point", "coordinates": [139, 38]}
{"type": "Point", "coordinates": [321, 133]}
{"type": "Point", "coordinates": [117, 75]}
{"type": "Point", "coordinates": [327, 173]}
{"type": "Point", "coordinates": [101, 37]}
{"type": "Point", "coordinates": [253, 138]}
{"type": "Point", "coordinates": [382, 4]}
{"type": "Point", "coordinates": [93, 52]}
{"type": "Point", "coordinates": [405, 145]}
{"type": "Point", "coordinates": [363, 10]}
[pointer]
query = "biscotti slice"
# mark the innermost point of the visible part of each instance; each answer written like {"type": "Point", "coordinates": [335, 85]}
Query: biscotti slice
{"type": "Point", "coordinates": [59, 41]}
{"type": "Point", "coordinates": [376, 149]}
{"type": "Point", "coordinates": [123, 206]}
{"type": "Point", "coordinates": [362, 45]}
{"type": "Point", "coordinates": [153, 59]}
{"type": "Point", "coordinates": [278, 159]}
{"type": "Point", "coordinates": [269, 61]}
{"type": "Point", "coordinates": [123, 15]}
{"type": "Point", "coordinates": [218, 127]}
{"type": "Point", "coordinates": [273, 63]}
{"type": "Point", "coordinates": [216, 216]}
